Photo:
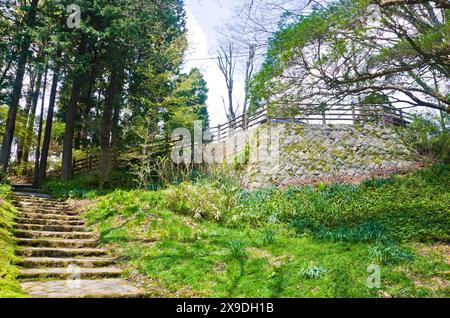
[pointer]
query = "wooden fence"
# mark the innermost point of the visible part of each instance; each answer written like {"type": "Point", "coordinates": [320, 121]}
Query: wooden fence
{"type": "Point", "coordinates": [338, 114]}
{"type": "Point", "coordinates": [240, 123]}
{"type": "Point", "coordinates": [87, 164]}
{"type": "Point", "coordinates": [91, 163]}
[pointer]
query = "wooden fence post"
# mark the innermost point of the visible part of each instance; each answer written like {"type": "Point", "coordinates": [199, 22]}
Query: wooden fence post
{"type": "Point", "coordinates": [218, 132]}
{"type": "Point", "coordinates": [324, 119]}
{"type": "Point", "coordinates": [353, 114]}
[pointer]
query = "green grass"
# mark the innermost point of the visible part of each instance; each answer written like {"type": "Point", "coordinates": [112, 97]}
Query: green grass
{"type": "Point", "coordinates": [297, 242]}
{"type": "Point", "coordinates": [9, 286]}
{"type": "Point", "coordinates": [415, 207]}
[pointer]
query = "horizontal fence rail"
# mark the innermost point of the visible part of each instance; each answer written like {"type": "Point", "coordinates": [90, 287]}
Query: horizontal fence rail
{"type": "Point", "coordinates": [240, 123]}
{"type": "Point", "coordinates": [87, 164]}
{"type": "Point", "coordinates": [338, 114]}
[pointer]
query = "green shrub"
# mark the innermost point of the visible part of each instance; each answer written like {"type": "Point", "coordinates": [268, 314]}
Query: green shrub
{"type": "Point", "coordinates": [303, 225]}
{"type": "Point", "coordinates": [200, 201]}
{"type": "Point", "coordinates": [3, 178]}
{"type": "Point", "coordinates": [88, 185]}
{"type": "Point", "coordinates": [440, 146]}
{"type": "Point", "coordinates": [427, 137]}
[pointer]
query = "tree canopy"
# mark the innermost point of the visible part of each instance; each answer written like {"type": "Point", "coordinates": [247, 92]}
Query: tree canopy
{"type": "Point", "coordinates": [349, 49]}
{"type": "Point", "coordinates": [115, 68]}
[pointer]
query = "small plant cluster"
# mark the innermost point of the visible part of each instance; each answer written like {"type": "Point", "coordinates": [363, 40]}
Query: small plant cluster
{"type": "Point", "coordinates": [237, 251]}
{"type": "Point", "coordinates": [313, 272]}
{"type": "Point", "coordinates": [391, 254]}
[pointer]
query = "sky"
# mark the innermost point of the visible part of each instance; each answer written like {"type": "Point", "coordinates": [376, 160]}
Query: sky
{"type": "Point", "coordinates": [204, 20]}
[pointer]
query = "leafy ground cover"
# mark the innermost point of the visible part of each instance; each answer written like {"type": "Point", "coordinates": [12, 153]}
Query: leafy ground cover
{"type": "Point", "coordinates": [212, 238]}
{"type": "Point", "coordinates": [9, 286]}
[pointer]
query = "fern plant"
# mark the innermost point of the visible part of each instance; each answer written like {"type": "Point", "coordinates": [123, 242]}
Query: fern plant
{"type": "Point", "coordinates": [313, 272]}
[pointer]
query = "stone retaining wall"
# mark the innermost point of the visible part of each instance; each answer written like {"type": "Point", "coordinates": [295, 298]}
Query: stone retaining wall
{"type": "Point", "coordinates": [311, 152]}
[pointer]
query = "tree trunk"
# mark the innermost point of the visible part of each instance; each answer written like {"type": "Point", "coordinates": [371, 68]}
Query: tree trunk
{"type": "Point", "coordinates": [111, 100]}
{"type": "Point", "coordinates": [30, 123]}
{"type": "Point", "coordinates": [66, 172]}
{"type": "Point", "coordinates": [71, 114]}
{"type": "Point", "coordinates": [17, 89]}
{"type": "Point", "coordinates": [42, 171]}
{"type": "Point", "coordinates": [26, 114]}
{"type": "Point", "coordinates": [115, 135]}
{"type": "Point", "coordinates": [84, 127]}
{"type": "Point", "coordinates": [77, 137]}
{"type": "Point", "coordinates": [39, 136]}
{"type": "Point", "coordinates": [12, 112]}
{"type": "Point", "coordinates": [230, 104]}
{"type": "Point", "coordinates": [88, 102]}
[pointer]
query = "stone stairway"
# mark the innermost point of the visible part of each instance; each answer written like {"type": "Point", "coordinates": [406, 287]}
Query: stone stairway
{"type": "Point", "coordinates": [58, 258]}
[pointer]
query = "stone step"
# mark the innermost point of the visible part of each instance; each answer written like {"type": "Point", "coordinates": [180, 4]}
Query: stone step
{"type": "Point", "coordinates": [22, 185]}
{"type": "Point", "coordinates": [100, 288]}
{"type": "Point", "coordinates": [45, 242]}
{"type": "Point", "coordinates": [59, 252]}
{"type": "Point", "coordinates": [49, 222]}
{"type": "Point", "coordinates": [47, 234]}
{"type": "Point", "coordinates": [66, 273]}
{"type": "Point", "coordinates": [42, 216]}
{"type": "Point", "coordinates": [33, 195]}
{"type": "Point", "coordinates": [36, 210]}
{"type": "Point", "coordinates": [51, 228]}
{"type": "Point", "coordinates": [27, 189]}
{"type": "Point", "coordinates": [54, 244]}
{"type": "Point", "coordinates": [39, 198]}
{"type": "Point", "coordinates": [50, 205]}
{"type": "Point", "coordinates": [37, 262]}
{"type": "Point", "coordinates": [39, 205]}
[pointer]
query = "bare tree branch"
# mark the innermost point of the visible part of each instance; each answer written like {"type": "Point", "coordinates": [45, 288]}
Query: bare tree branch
{"type": "Point", "coordinates": [226, 60]}
{"type": "Point", "coordinates": [439, 3]}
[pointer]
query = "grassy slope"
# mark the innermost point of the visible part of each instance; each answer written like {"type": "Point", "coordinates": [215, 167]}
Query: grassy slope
{"type": "Point", "coordinates": [9, 287]}
{"type": "Point", "coordinates": [298, 242]}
